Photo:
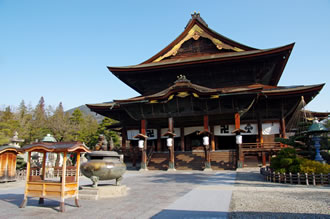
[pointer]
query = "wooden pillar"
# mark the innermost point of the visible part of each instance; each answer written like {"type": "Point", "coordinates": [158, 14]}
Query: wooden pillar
{"type": "Point", "coordinates": [212, 138]}
{"type": "Point", "coordinates": [263, 154]}
{"type": "Point", "coordinates": [44, 165]}
{"type": "Point", "coordinates": [182, 138]}
{"type": "Point", "coordinates": [171, 164]}
{"type": "Point", "coordinates": [133, 154]}
{"type": "Point", "coordinates": [216, 139]}
{"type": "Point", "coordinates": [240, 155]}
{"type": "Point", "coordinates": [76, 200]}
{"type": "Point", "coordinates": [159, 140]}
{"type": "Point", "coordinates": [237, 121]}
{"type": "Point", "coordinates": [62, 206]}
{"type": "Point", "coordinates": [283, 132]}
{"type": "Point", "coordinates": [144, 149]}
{"type": "Point", "coordinates": [41, 199]}
{"type": "Point", "coordinates": [123, 139]}
{"type": "Point", "coordinates": [207, 147]}
{"type": "Point", "coordinates": [28, 169]}
{"type": "Point", "coordinates": [260, 137]}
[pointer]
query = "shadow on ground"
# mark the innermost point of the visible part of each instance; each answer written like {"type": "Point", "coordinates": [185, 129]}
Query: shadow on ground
{"type": "Point", "coordinates": [16, 199]}
{"type": "Point", "coordinates": [227, 178]}
{"type": "Point", "coordinates": [209, 214]}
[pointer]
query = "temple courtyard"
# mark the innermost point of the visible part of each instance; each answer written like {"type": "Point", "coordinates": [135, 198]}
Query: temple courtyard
{"type": "Point", "coordinates": [182, 194]}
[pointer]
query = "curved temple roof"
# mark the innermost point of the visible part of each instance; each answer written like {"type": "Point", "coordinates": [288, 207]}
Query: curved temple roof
{"type": "Point", "coordinates": [199, 47]}
{"type": "Point", "coordinates": [57, 147]}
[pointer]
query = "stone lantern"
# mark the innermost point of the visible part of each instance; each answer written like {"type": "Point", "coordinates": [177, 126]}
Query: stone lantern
{"type": "Point", "coordinates": [315, 130]}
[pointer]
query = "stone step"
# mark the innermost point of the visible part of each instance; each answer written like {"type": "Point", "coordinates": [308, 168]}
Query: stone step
{"type": "Point", "coordinates": [88, 192]}
{"type": "Point", "coordinates": [88, 197]}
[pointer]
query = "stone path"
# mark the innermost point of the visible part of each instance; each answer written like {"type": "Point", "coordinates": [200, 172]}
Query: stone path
{"type": "Point", "coordinates": [181, 194]}
{"type": "Point", "coordinates": [205, 201]}
{"type": "Point", "coordinates": [150, 194]}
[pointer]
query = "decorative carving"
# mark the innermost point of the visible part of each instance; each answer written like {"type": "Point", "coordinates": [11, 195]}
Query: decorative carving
{"type": "Point", "coordinates": [196, 32]}
{"type": "Point", "coordinates": [102, 145]}
{"type": "Point", "coordinates": [182, 78]}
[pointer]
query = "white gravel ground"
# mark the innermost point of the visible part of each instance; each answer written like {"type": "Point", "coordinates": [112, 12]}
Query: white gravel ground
{"type": "Point", "coordinates": [254, 198]}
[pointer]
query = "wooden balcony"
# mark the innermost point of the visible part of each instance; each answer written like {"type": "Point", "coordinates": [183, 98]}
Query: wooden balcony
{"type": "Point", "coordinates": [259, 149]}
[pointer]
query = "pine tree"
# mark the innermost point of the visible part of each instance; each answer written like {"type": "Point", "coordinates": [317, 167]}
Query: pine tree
{"type": "Point", "coordinates": [39, 122]}
{"type": "Point", "coordinates": [59, 124]}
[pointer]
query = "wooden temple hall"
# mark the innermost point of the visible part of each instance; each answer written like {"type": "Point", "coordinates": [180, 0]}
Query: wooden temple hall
{"type": "Point", "coordinates": [207, 102]}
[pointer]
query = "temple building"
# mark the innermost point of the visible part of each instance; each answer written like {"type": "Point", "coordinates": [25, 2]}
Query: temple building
{"type": "Point", "coordinates": [217, 99]}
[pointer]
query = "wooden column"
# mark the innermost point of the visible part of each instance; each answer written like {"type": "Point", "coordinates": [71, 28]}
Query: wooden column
{"type": "Point", "coordinates": [76, 200]}
{"type": "Point", "coordinates": [41, 200]}
{"type": "Point", "coordinates": [159, 140]}
{"type": "Point", "coordinates": [123, 139]}
{"type": "Point", "coordinates": [144, 149]}
{"type": "Point", "coordinates": [263, 154]}
{"type": "Point", "coordinates": [133, 153]}
{"type": "Point", "coordinates": [182, 138]}
{"type": "Point", "coordinates": [207, 147]}
{"type": "Point", "coordinates": [28, 169]}
{"type": "Point", "coordinates": [260, 137]}
{"type": "Point", "coordinates": [62, 204]}
{"type": "Point", "coordinates": [283, 132]}
{"type": "Point", "coordinates": [212, 138]}
{"type": "Point", "coordinates": [171, 164]}
{"type": "Point", "coordinates": [240, 155]}
{"type": "Point", "coordinates": [237, 121]}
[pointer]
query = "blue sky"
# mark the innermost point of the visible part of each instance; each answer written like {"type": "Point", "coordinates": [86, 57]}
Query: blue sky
{"type": "Point", "coordinates": [60, 49]}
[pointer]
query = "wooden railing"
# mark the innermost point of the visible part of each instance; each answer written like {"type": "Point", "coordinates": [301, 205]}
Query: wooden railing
{"type": "Point", "coordinates": [296, 178]}
{"type": "Point", "coordinates": [266, 146]}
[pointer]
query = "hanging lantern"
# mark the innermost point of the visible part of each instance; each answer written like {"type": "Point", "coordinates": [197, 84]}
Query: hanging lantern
{"type": "Point", "coordinates": [206, 140]}
{"type": "Point", "coordinates": [169, 142]}
{"type": "Point", "coordinates": [239, 139]}
{"type": "Point", "coordinates": [141, 144]}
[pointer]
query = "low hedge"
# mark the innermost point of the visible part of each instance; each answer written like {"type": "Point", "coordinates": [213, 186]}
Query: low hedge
{"type": "Point", "coordinates": [287, 161]}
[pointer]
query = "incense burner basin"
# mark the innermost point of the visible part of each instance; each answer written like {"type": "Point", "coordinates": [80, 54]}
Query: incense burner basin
{"type": "Point", "coordinates": [103, 165]}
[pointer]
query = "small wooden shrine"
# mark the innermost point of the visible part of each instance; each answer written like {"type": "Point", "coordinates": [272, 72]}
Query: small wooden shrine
{"type": "Point", "coordinates": [67, 186]}
{"type": "Point", "coordinates": [204, 82]}
{"type": "Point", "coordinates": [8, 155]}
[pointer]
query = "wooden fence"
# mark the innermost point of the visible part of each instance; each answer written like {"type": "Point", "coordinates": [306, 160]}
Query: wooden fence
{"type": "Point", "coordinates": [296, 178]}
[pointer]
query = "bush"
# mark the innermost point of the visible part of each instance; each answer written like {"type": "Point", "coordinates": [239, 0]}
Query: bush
{"type": "Point", "coordinates": [287, 161]}
{"type": "Point", "coordinates": [311, 166]}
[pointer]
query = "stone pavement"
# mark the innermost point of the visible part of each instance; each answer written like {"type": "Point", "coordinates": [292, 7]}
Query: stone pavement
{"type": "Point", "coordinates": [152, 194]}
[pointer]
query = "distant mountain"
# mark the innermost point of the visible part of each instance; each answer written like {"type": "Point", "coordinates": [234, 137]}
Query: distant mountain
{"type": "Point", "coordinates": [86, 111]}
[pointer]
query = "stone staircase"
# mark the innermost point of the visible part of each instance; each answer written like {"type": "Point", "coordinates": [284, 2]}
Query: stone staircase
{"type": "Point", "coordinates": [223, 160]}
{"type": "Point", "coordinates": [189, 160]}
{"type": "Point", "coordinates": [194, 160]}
{"type": "Point", "coordinates": [158, 161]}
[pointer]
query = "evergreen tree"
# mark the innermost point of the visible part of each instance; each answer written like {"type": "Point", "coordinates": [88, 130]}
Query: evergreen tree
{"type": "Point", "coordinates": [8, 125]}
{"type": "Point", "coordinates": [39, 126]}
{"type": "Point", "coordinates": [59, 124]}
